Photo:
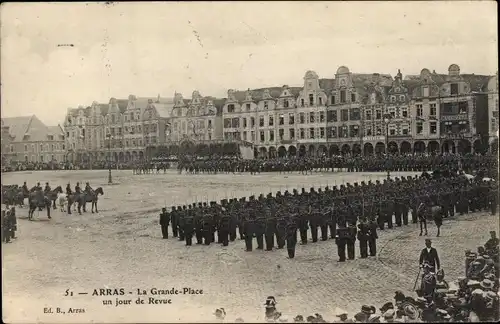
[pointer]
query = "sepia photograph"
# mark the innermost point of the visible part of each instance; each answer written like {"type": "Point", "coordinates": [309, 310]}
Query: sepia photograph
{"type": "Point", "coordinates": [258, 162]}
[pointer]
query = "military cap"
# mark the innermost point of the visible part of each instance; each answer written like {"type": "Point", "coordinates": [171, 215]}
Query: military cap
{"type": "Point", "coordinates": [212, 203]}
{"type": "Point", "coordinates": [179, 207]}
{"type": "Point", "coordinates": [251, 198]}
{"type": "Point", "coordinates": [261, 196]}
{"type": "Point", "coordinates": [200, 204]}
{"type": "Point", "coordinates": [312, 189]}
{"type": "Point", "coordinates": [204, 204]}
{"type": "Point", "coordinates": [269, 195]}
{"type": "Point", "coordinates": [303, 189]}
{"type": "Point", "coordinates": [327, 188]}
{"type": "Point", "coordinates": [163, 209]}
{"type": "Point", "coordinates": [173, 207]}
{"type": "Point", "coordinates": [278, 194]}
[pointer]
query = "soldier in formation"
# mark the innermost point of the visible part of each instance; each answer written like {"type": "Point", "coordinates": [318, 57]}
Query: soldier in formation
{"type": "Point", "coordinates": [346, 213]}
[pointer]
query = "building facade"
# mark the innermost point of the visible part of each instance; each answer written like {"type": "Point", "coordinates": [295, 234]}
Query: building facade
{"type": "Point", "coordinates": [28, 139]}
{"type": "Point", "coordinates": [493, 110]}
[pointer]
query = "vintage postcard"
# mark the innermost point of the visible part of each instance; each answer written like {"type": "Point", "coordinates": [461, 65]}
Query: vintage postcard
{"type": "Point", "coordinates": [249, 162]}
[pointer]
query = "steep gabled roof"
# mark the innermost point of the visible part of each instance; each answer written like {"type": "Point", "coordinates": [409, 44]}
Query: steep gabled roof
{"type": "Point", "coordinates": [17, 126]}
{"type": "Point", "coordinates": [55, 130]}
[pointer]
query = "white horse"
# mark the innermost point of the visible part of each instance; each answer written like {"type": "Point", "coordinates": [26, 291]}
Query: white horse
{"type": "Point", "coordinates": [62, 201]}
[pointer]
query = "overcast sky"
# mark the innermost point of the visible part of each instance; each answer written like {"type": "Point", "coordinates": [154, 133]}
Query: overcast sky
{"type": "Point", "coordinates": [148, 49]}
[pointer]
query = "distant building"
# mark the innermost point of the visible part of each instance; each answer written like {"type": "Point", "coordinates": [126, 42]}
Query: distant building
{"type": "Point", "coordinates": [493, 110]}
{"type": "Point", "coordinates": [27, 139]}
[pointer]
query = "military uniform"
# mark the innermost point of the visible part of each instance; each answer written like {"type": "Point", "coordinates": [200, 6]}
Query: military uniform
{"type": "Point", "coordinates": [164, 222]}
{"type": "Point", "coordinates": [351, 241]}
{"type": "Point", "coordinates": [291, 238]}
{"type": "Point", "coordinates": [342, 235]}
{"type": "Point", "coordinates": [363, 236]}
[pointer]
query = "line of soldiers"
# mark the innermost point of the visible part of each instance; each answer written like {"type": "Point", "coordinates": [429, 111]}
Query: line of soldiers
{"type": "Point", "coordinates": [346, 213]}
{"type": "Point", "coordinates": [357, 163]}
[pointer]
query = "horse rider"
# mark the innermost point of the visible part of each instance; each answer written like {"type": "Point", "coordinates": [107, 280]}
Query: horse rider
{"type": "Point", "coordinates": [68, 189]}
{"type": "Point", "coordinates": [25, 187]}
{"type": "Point", "coordinates": [38, 186]}
{"type": "Point", "coordinates": [88, 189]}
{"type": "Point", "coordinates": [77, 188]}
{"type": "Point", "coordinates": [47, 188]}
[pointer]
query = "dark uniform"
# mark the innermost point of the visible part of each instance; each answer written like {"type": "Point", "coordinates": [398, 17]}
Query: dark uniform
{"type": "Point", "coordinates": [351, 241]}
{"type": "Point", "coordinates": [291, 238]}
{"type": "Point", "coordinates": [342, 235]}
{"type": "Point", "coordinates": [47, 188]}
{"type": "Point", "coordinates": [372, 238]}
{"type": "Point", "coordinates": [68, 189]}
{"type": "Point", "coordinates": [363, 236]}
{"type": "Point", "coordinates": [164, 221]}
{"type": "Point", "coordinates": [174, 219]}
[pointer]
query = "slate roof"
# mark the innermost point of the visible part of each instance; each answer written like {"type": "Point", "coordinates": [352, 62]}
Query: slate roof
{"type": "Point", "coordinates": [55, 130]}
{"type": "Point", "coordinates": [27, 125]}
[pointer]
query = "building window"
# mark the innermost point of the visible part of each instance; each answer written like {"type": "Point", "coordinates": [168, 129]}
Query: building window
{"type": "Point", "coordinates": [433, 127]}
{"type": "Point", "coordinates": [379, 131]}
{"type": "Point", "coordinates": [41, 147]}
{"type": "Point", "coordinates": [342, 96]}
{"type": "Point", "coordinates": [271, 121]}
{"type": "Point", "coordinates": [331, 116]}
{"type": "Point", "coordinates": [433, 110]}
{"type": "Point", "coordinates": [302, 118]}
{"type": "Point", "coordinates": [227, 122]}
{"type": "Point", "coordinates": [392, 130]}
{"type": "Point", "coordinates": [311, 117]}
{"type": "Point", "coordinates": [354, 130]}
{"type": "Point", "coordinates": [420, 111]}
{"type": "Point", "coordinates": [332, 100]}
{"type": "Point", "coordinates": [235, 123]}
{"type": "Point", "coordinates": [285, 104]}
{"type": "Point", "coordinates": [291, 119]}
{"type": "Point", "coordinates": [402, 98]}
{"type": "Point", "coordinates": [378, 114]}
{"type": "Point", "coordinates": [311, 133]}
{"type": "Point", "coordinates": [344, 131]}
{"type": "Point", "coordinates": [353, 97]}
{"type": "Point", "coordinates": [320, 100]}
{"type": "Point", "coordinates": [344, 115]}
{"type": "Point", "coordinates": [368, 131]}
{"type": "Point", "coordinates": [322, 132]}
{"type": "Point", "coordinates": [454, 88]}
{"type": "Point", "coordinates": [261, 121]}
{"type": "Point", "coordinates": [426, 91]}
{"type": "Point", "coordinates": [248, 106]}
{"type": "Point", "coordinates": [393, 98]}
{"type": "Point", "coordinates": [281, 133]}
{"type": "Point", "coordinates": [311, 100]}
{"type": "Point", "coordinates": [266, 105]}
{"type": "Point", "coordinates": [302, 102]}
{"type": "Point", "coordinates": [230, 108]}
{"type": "Point", "coordinates": [12, 148]}
{"type": "Point", "coordinates": [368, 115]}
{"type": "Point", "coordinates": [392, 112]}
{"type": "Point", "coordinates": [404, 129]}
{"type": "Point", "coordinates": [355, 114]}
{"type": "Point", "coordinates": [292, 133]}
{"type": "Point", "coordinates": [332, 132]}
{"type": "Point", "coordinates": [25, 148]}
{"type": "Point", "coordinates": [244, 136]}
{"type": "Point", "coordinates": [271, 135]}
{"type": "Point", "coordinates": [262, 137]}
{"type": "Point", "coordinates": [321, 116]}
{"type": "Point", "coordinates": [281, 120]}
{"type": "Point", "coordinates": [252, 122]}
{"type": "Point", "coordinates": [41, 158]}
{"type": "Point", "coordinates": [26, 158]}
{"type": "Point", "coordinates": [420, 128]}
{"type": "Point", "coordinates": [302, 133]}
{"type": "Point", "coordinates": [404, 112]}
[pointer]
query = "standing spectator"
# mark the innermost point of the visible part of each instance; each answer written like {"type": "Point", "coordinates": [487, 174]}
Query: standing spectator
{"type": "Point", "coordinates": [429, 255]}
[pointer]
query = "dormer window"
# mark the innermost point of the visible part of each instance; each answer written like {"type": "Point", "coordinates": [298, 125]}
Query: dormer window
{"type": "Point", "coordinates": [311, 100]}
{"type": "Point", "coordinates": [286, 104]}
{"type": "Point", "coordinates": [230, 108]}
{"type": "Point", "coordinates": [320, 101]}
{"type": "Point", "coordinates": [266, 105]}
{"type": "Point", "coordinates": [302, 102]}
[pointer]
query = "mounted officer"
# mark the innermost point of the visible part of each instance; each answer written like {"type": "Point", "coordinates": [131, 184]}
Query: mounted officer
{"type": "Point", "coordinates": [78, 190]}
{"type": "Point", "coordinates": [47, 189]}
{"type": "Point", "coordinates": [68, 189]}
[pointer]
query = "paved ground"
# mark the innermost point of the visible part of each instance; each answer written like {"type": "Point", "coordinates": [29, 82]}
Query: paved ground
{"type": "Point", "coordinates": [121, 247]}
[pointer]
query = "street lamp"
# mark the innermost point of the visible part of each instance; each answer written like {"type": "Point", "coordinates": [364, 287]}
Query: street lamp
{"type": "Point", "coordinates": [110, 180]}
{"type": "Point", "coordinates": [387, 120]}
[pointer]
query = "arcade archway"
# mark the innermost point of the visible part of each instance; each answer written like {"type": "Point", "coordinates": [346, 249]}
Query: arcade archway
{"type": "Point", "coordinates": [379, 148]}
{"type": "Point", "coordinates": [292, 150]}
{"type": "Point", "coordinates": [448, 147]}
{"type": "Point", "coordinates": [281, 152]}
{"type": "Point", "coordinates": [433, 147]}
{"type": "Point", "coordinates": [405, 147]}
{"type": "Point", "coordinates": [356, 149]}
{"type": "Point", "coordinates": [334, 150]}
{"type": "Point", "coordinates": [368, 149]}
{"type": "Point", "coordinates": [302, 151]}
{"type": "Point", "coordinates": [419, 147]}
{"type": "Point", "coordinates": [322, 151]}
{"type": "Point", "coordinates": [272, 152]}
{"type": "Point", "coordinates": [464, 146]}
{"type": "Point", "coordinates": [346, 149]}
{"type": "Point", "coordinates": [393, 148]}
{"type": "Point", "coordinates": [311, 151]}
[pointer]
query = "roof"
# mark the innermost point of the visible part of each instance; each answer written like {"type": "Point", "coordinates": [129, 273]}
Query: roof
{"type": "Point", "coordinates": [27, 125]}
{"type": "Point", "coordinates": [164, 109]}
{"type": "Point", "coordinates": [257, 94]}
{"type": "Point", "coordinates": [17, 126]}
{"type": "Point", "coordinates": [55, 130]}
{"type": "Point", "coordinates": [477, 82]}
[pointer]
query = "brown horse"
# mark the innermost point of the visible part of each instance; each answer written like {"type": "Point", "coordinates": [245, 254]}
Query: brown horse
{"type": "Point", "coordinates": [52, 195]}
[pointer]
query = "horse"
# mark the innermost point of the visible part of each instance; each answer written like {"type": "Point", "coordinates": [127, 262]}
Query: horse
{"type": "Point", "coordinates": [83, 198]}
{"type": "Point", "coordinates": [62, 200]}
{"type": "Point", "coordinates": [53, 194]}
{"type": "Point", "coordinates": [38, 200]}
{"type": "Point", "coordinates": [92, 197]}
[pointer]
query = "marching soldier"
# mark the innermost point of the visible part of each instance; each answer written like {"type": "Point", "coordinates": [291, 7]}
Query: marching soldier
{"type": "Point", "coordinates": [198, 224]}
{"type": "Point", "coordinates": [224, 229]}
{"type": "Point", "coordinates": [313, 223]}
{"type": "Point", "coordinates": [405, 209]}
{"type": "Point", "coordinates": [208, 227]}
{"type": "Point", "coordinates": [188, 224]}
{"type": "Point", "coordinates": [182, 215]}
{"type": "Point", "coordinates": [164, 221]}
{"type": "Point", "coordinates": [174, 218]}
{"type": "Point", "coordinates": [324, 220]}
{"type": "Point", "coordinates": [6, 226]}
{"type": "Point", "coordinates": [269, 230]}
{"type": "Point", "coordinates": [260, 229]}
{"type": "Point", "coordinates": [303, 227]}
{"type": "Point", "coordinates": [249, 228]}
{"type": "Point", "coordinates": [398, 211]}
{"type": "Point", "coordinates": [281, 233]}
{"type": "Point", "coordinates": [422, 216]}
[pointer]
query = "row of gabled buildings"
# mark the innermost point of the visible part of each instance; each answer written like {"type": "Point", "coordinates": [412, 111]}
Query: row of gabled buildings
{"type": "Point", "coordinates": [350, 113]}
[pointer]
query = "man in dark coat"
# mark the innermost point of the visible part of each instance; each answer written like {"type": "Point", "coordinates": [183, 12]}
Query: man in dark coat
{"type": "Point", "coordinates": [341, 237]}
{"type": "Point", "coordinates": [164, 221]}
{"type": "Point", "coordinates": [363, 239]}
{"type": "Point", "coordinates": [291, 238]}
{"type": "Point", "coordinates": [351, 242]}
{"type": "Point", "coordinates": [174, 218]}
{"type": "Point", "coordinates": [430, 256]}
